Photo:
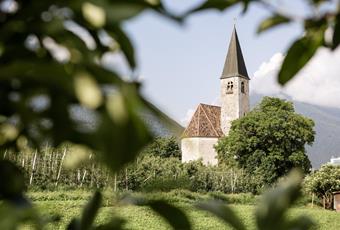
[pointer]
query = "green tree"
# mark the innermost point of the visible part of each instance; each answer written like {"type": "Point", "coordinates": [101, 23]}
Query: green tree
{"type": "Point", "coordinates": [269, 141]}
{"type": "Point", "coordinates": [323, 183]}
{"type": "Point", "coordinates": [164, 147]}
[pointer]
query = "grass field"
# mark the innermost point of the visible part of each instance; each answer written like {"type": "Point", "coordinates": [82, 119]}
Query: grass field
{"type": "Point", "coordinates": [68, 204]}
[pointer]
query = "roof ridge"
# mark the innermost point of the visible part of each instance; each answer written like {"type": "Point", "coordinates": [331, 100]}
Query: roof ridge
{"type": "Point", "coordinates": [203, 104]}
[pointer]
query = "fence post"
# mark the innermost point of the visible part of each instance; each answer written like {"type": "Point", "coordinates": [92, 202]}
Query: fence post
{"type": "Point", "coordinates": [61, 165]}
{"type": "Point", "coordinates": [115, 183]}
{"type": "Point", "coordinates": [33, 166]}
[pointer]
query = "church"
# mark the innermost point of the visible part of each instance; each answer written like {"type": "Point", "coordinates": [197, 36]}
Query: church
{"type": "Point", "coordinates": [209, 122]}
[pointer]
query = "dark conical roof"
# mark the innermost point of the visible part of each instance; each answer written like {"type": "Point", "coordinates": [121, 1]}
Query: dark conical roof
{"type": "Point", "coordinates": [234, 63]}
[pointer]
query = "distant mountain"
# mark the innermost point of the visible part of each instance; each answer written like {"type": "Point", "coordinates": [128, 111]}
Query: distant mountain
{"type": "Point", "coordinates": [164, 128]}
{"type": "Point", "coordinates": [327, 127]}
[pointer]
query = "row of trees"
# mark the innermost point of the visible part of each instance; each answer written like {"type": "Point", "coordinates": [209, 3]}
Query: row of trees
{"type": "Point", "coordinates": [251, 158]}
{"type": "Point", "coordinates": [158, 168]}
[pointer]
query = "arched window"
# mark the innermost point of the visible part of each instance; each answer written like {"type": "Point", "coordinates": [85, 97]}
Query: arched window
{"type": "Point", "coordinates": [242, 87]}
{"type": "Point", "coordinates": [230, 87]}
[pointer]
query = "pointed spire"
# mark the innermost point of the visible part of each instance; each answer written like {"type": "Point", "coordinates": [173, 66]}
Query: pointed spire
{"type": "Point", "coordinates": [234, 63]}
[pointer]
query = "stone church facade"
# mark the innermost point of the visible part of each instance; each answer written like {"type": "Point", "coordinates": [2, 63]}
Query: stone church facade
{"type": "Point", "coordinates": [209, 122]}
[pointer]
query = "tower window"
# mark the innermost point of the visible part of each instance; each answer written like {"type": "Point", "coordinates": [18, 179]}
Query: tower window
{"type": "Point", "coordinates": [230, 87]}
{"type": "Point", "coordinates": [242, 87]}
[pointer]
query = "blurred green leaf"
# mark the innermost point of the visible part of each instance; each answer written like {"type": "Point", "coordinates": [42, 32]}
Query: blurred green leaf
{"type": "Point", "coordinates": [120, 140]}
{"type": "Point", "coordinates": [94, 14]}
{"type": "Point", "coordinates": [124, 42]}
{"type": "Point", "coordinates": [12, 217]}
{"type": "Point", "coordinates": [89, 214]}
{"type": "Point", "coordinates": [12, 183]}
{"type": "Point", "coordinates": [214, 4]}
{"type": "Point", "coordinates": [175, 217]}
{"type": "Point", "coordinates": [299, 54]}
{"type": "Point", "coordinates": [275, 203]}
{"type": "Point", "coordinates": [336, 35]}
{"type": "Point", "coordinates": [271, 22]}
{"type": "Point", "coordinates": [90, 211]}
{"type": "Point", "coordinates": [223, 212]}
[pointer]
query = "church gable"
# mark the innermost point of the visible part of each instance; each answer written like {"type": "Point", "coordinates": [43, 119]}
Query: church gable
{"type": "Point", "coordinates": [205, 122]}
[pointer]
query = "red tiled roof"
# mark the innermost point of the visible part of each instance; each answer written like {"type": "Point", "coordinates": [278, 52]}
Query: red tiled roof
{"type": "Point", "coordinates": [205, 122]}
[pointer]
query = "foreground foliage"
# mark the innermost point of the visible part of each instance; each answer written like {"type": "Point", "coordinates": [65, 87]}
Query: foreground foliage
{"type": "Point", "coordinates": [269, 141]}
{"type": "Point", "coordinates": [54, 88]}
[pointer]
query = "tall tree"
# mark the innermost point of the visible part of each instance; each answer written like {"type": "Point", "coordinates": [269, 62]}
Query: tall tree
{"type": "Point", "coordinates": [269, 141]}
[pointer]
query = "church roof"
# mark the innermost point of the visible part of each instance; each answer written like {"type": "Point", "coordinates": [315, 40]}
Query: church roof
{"type": "Point", "coordinates": [205, 122]}
{"type": "Point", "coordinates": [234, 63]}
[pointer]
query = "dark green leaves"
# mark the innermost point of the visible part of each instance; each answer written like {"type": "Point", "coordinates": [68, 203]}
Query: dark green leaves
{"type": "Point", "coordinates": [336, 35]}
{"type": "Point", "coordinates": [215, 4]}
{"type": "Point", "coordinates": [299, 54]}
{"type": "Point", "coordinates": [12, 183]}
{"type": "Point", "coordinates": [271, 22]}
{"type": "Point", "coordinates": [175, 217]}
{"type": "Point", "coordinates": [124, 42]}
{"type": "Point", "coordinates": [223, 212]}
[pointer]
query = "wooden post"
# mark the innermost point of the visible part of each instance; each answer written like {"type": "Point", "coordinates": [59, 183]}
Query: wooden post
{"type": "Point", "coordinates": [60, 166]}
{"type": "Point", "coordinates": [312, 200]}
{"type": "Point", "coordinates": [33, 166]}
{"type": "Point", "coordinates": [82, 180]}
{"type": "Point", "coordinates": [115, 183]}
{"type": "Point", "coordinates": [324, 202]}
{"type": "Point", "coordinates": [126, 180]}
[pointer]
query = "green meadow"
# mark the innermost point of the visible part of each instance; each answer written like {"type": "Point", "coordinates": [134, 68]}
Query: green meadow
{"type": "Point", "coordinates": [64, 205]}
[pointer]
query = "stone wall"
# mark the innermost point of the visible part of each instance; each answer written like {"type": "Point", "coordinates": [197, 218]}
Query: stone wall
{"type": "Point", "coordinates": [195, 148]}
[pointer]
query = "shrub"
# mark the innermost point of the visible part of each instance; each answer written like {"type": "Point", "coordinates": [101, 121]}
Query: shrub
{"type": "Point", "coordinates": [323, 182]}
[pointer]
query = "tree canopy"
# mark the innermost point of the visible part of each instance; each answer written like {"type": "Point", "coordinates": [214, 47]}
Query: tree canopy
{"type": "Point", "coordinates": [269, 141]}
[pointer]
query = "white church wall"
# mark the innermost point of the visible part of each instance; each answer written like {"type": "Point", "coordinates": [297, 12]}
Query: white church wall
{"type": "Point", "coordinates": [196, 148]}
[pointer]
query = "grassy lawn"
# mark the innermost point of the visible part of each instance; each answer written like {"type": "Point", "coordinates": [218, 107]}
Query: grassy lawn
{"type": "Point", "coordinates": [69, 204]}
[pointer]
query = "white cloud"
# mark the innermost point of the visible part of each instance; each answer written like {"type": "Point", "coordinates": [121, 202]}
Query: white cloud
{"type": "Point", "coordinates": [318, 83]}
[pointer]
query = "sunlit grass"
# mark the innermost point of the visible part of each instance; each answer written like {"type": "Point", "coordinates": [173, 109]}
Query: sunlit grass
{"type": "Point", "coordinates": [68, 204]}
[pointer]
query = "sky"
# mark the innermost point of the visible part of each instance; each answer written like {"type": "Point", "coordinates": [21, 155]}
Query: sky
{"type": "Point", "coordinates": [180, 65]}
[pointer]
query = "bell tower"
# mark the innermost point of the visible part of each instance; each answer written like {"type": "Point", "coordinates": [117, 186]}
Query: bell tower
{"type": "Point", "coordinates": [234, 85]}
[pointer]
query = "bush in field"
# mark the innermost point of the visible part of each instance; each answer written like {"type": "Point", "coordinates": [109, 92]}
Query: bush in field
{"type": "Point", "coordinates": [323, 183]}
{"type": "Point", "coordinates": [269, 141]}
{"type": "Point", "coordinates": [150, 169]}
{"type": "Point", "coordinates": [217, 178]}
{"type": "Point", "coordinates": [164, 147]}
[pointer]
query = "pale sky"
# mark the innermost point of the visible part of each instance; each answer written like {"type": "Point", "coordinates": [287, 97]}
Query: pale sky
{"type": "Point", "coordinates": [181, 65]}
